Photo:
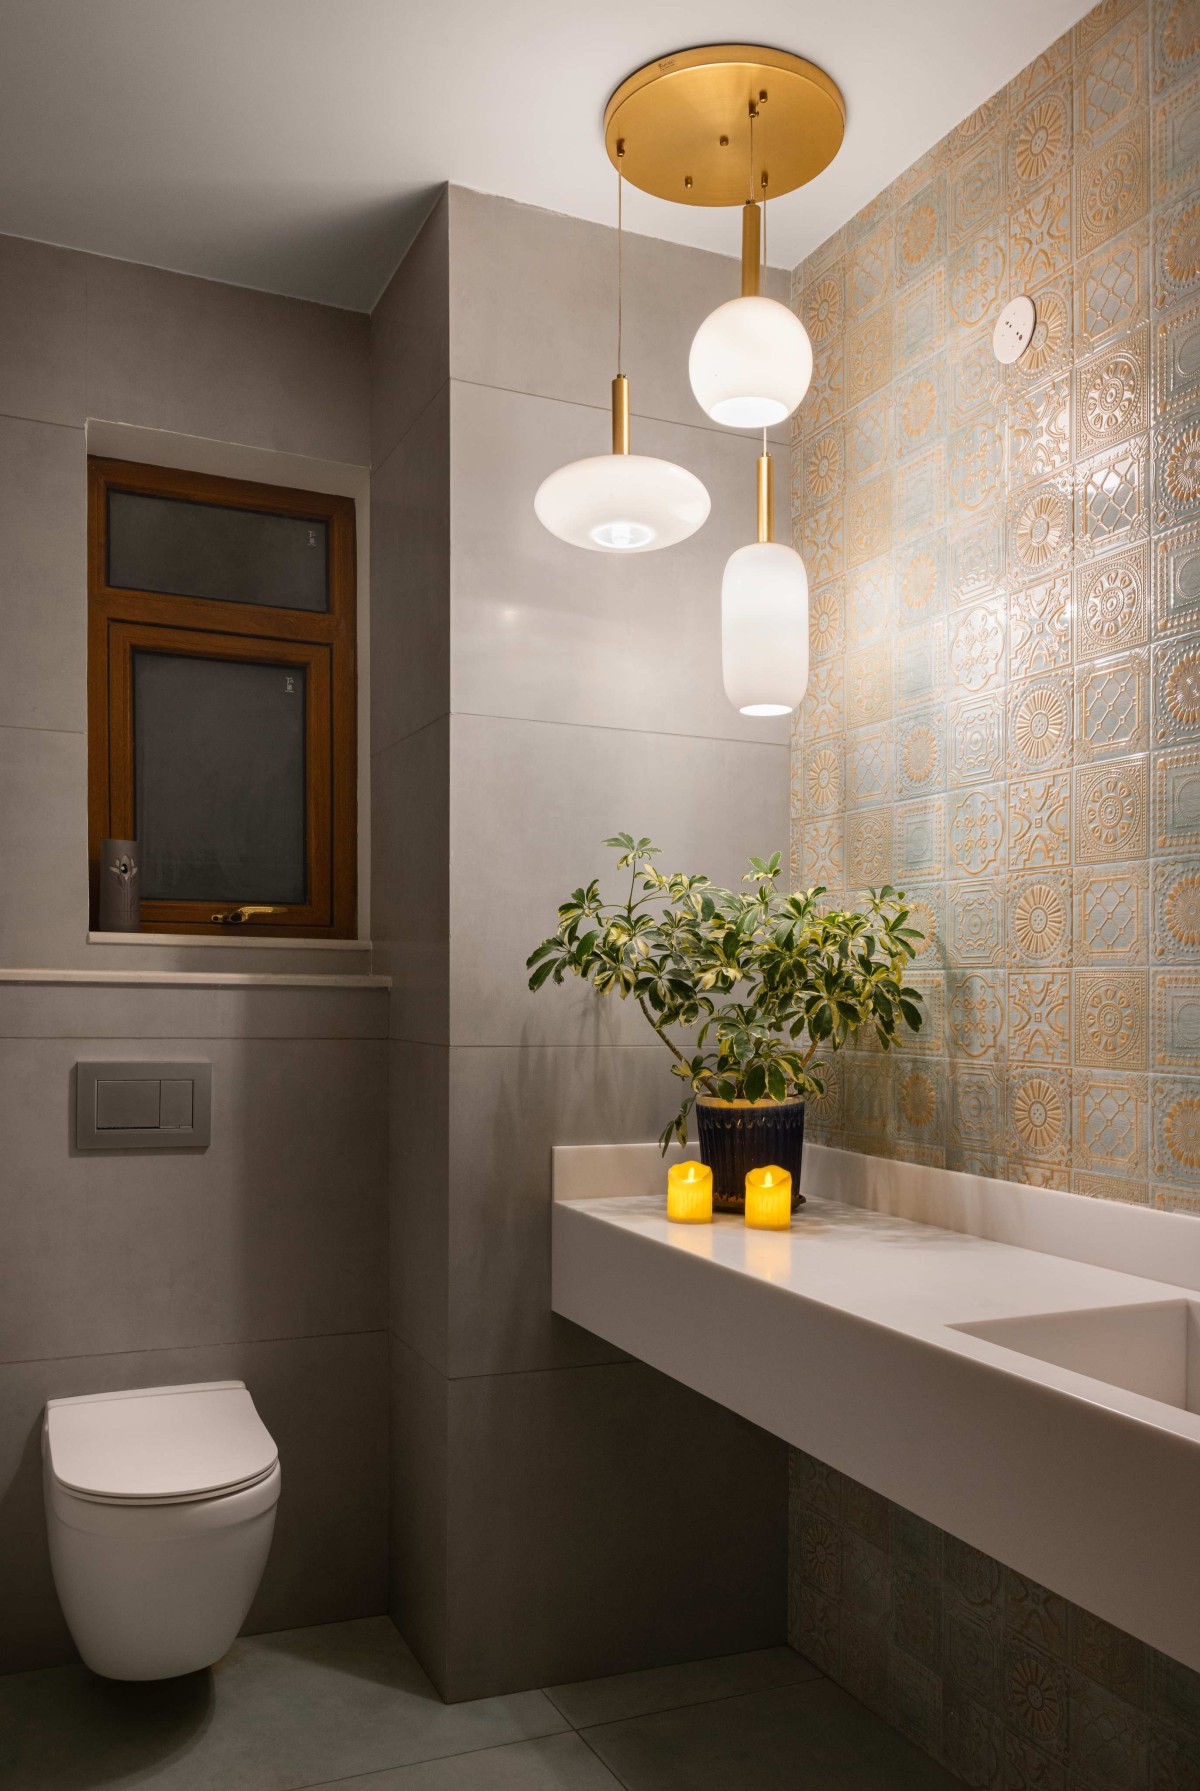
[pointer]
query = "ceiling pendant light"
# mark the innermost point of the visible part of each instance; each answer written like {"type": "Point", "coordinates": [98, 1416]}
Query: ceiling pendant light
{"type": "Point", "coordinates": [764, 616]}
{"type": "Point", "coordinates": [621, 502]}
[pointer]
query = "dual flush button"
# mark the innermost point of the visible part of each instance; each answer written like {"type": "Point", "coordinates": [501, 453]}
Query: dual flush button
{"type": "Point", "coordinates": [142, 1106]}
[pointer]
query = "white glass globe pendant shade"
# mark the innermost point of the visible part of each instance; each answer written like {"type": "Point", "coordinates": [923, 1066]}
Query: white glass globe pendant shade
{"type": "Point", "coordinates": [751, 363]}
{"type": "Point", "coordinates": [764, 618]}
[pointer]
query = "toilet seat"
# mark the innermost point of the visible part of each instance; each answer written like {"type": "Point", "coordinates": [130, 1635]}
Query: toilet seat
{"type": "Point", "coordinates": [158, 1445]}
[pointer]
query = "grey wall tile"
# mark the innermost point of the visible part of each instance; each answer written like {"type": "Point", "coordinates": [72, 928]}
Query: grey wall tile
{"type": "Point", "coordinates": [508, 1108]}
{"type": "Point", "coordinates": [324, 1400]}
{"type": "Point", "coordinates": [611, 1489]}
{"type": "Point", "coordinates": [43, 886]}
{"type": "Point", "coordinates": [144, 1011]}
{"type": "Point", "coordinates": [418, 1120]}
{"type": "Point", "coordinates": [171, 352]}
{"type": "Point", "coordinates": [410, 578]}
{"type": "Point", "coordinates": [410, 334]}
{"type": "Point", "coordinates": [278, 1229]}
{"type": "Point", "coordinates": [410, 879]}
{"type": "Point", "coordinates": [420, 1416]}
{"type": "Point", "coordinates": [43, 681]}
{"type": "Point", "coordinates": [530, 804]}
{"type": "Point", "coordinates": [533, 304]}
{"type": "Point", "coordinates": [42, 299]}
{"type": "Point", "coordinates": [546, 631]}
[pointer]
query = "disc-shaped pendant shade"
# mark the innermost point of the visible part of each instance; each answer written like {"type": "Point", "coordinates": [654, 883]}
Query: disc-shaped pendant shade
{"type": "Point", "coordinates": [621, 503]}
{"type": "Point", "coordinates": [751, 363]}
{"type": "Point", "coordinates": [764, 629]}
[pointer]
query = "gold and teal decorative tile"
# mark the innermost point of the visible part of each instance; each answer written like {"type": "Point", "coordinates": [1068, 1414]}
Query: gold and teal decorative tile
{"type": "Point", "coordinates": [976, 647]}
{"type": "Point", "coordinates": [1175, 1744]}
{"type": "Point", "coordinates": [920, 580]}
{"type": "Point", "coordinates": [1039, 139]}
{"type": "Point", "coordinates": [1176, 146]}
{"type": "Point", "coordinates": [921, 319]}
{"type": "Point", "coordinates": [1177, 1020]}
{"type": "Point", "coordinates": [823, 858]}
{"type": "Point", "coordinates": [827, 620]}
{"type": "Point", "coordinates": [1177, 582]}
{"type": "Point", "coordinates": [1111, 804]}
{"type": "Point", "coordinates": [868, 354]}
{"type": "Point", "coordinates": [1111, 915]}
{"type": "Point", "coordinates": [976, 740]}
{"type": "Point", "coordinates": [1112, 290]}
{"type": "Point", "coordinates": [975, 1010]}
{"type": "Point", "coordinates": [1176, 922]}
{"type": "Point", "coordinates": [869, 848]}
{"type": "Point", "coordinates": [868, 1093]}
{"type": "Point", "coordinates": [1046, 67]}
{"type": "Point", "coordinates": [1039, 431]}
{"type": "Point", "coordinates": [795, 855]}
{"type": "Point", "coordinates": [1039, 1016]}
{"type": "Point", "coordinates": [1109, 1187]}
{"type": "Point", "coordinates": [975, 1162]}
{"type": "Point", "coordinates": [919, 1100]}
{"type": "Point", "coordinates": [1037, 1175]}
{"type": "Point", "coordinates": [1039, 821]}
{"type": "Point", "coordinates": [875, 212]}
{"type": "Point", "coordinates": [1111, 1126]}
{"type": "Point", "coordinates": [1039, 1115]}
{"type": "Point", "coordinates": [977, 556]}
{"type": "Point", "coordinates": [827, 394]}
{"type": "Point", "coordinates": [868, 439]}
{"type": "Point", "coordinates": [823, 785]}
{"type": "Point", "coordinates": [1177, 692]}
{"type": "Point", "coordinates": [1175, 43]}
{"type": "Point", "coordinates": [1108, 1736]}
{"type": "Point", "coordinates": [1177, 253]}
{"type": "Point", "coordinates": [1039, 627]}
{"type": "Point", "coordinates": [869, 765]}
{"type": "Point", "coordinates": [914, 1699]}
{"type": "Point", "coordinates": [1175, 1134]}
{"type": "Point", "coordinates": [1112, 187]}
{"type": "Point", "coordinates": [1039, 234]}
{"type": "Point", "coordinates": [1177, 360]}
{"type": "Point", "coordinates": [975, 924]}
{"type": "Point", "coordinates": [976, 464]}
{"type": "Point", "coordinates": [927, 916]}
{"type": "Point", "coordinates": [1111, 1019]}
{"type": "Point", "coordinates": [1035, 1616]}
{"type": "Point", "coordinates": [1111, 706]}
{"type": "Point", "coordinates": [868, 520]}
{"type": "Point", "coordinates": [1096, 24]}
{"type": "Point", "coordinates": [869, 600]}
{"type": "Point", "coordinates": [921, 754]}
{"type": "Point", "coordinates": [976, 832]}
{"type": "Point", "coordinates": [1039, 723]}
{"type": "Point", "coordinates": [825, 465]}
{"type": "Point", "coordinates": [931, 1040]}
{"type": "Point", "coordinates": [827, 1111]}
{"type": "Point", "coordinates": [920, 666]}
{"type": "Point", "coordinates": [919, 838]}
{"type": "Point", "coordinates": [976, 1108]}
{"type": "Point", "coordinates": [1177, 482]}
{"type": "Point", "coordinates": [1177, 800]}
{"type": "Point", "coordinates": [920, 493]}
{"type": "Point", "coordinates": [1109, 85]}
{"type": "Point", "coordinates": [1039, 532]}
{"type": "Point", "coordinates": [977, 278]}
{"type": "Point", "coordinates": [966, 136]}
{"type": "Point", "coordinates": [1112, 602]}
{"type": "Point", "coordinates": [920, 232]}
{"type": "Point", "coordinates": [1039, 919]}
{"type": "Point", "coordinates": [975, 379]}
{"type": "Point", "coordinates": [823, 711]}
{"type": "Point", "coordinates": [869, 685]}
{"type": "Point", "coordinates": [823, 305]}
{"type": "Point", "coordinates": [978, 188]}
{"type": "Point", "coordinates": [1050, 347]}
{"type": "Point", "coordinates": [822, 540]}
{"type": "Point", "coordinates": [869, 269]}
{"type": "Point", "coordinates": [1112, 497]}
{"type": "Point", "coordinates": [919, 410]}
{"type": "Point", "coordinates": [1111, 399]}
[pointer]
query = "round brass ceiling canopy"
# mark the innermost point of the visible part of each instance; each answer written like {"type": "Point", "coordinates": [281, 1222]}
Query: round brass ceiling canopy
{"type": "Point", "coordinates": [684, 124]}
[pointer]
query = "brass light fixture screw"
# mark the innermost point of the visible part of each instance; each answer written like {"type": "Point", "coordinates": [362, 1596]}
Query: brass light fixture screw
{"type": "Point", "coordinates": [687, 180]}
{"type": "Point", "coordinates": [724, 142]}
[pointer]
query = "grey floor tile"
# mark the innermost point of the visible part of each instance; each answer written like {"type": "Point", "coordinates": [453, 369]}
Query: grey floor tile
{"type": "Point", "coordinates": [300, 1707]}
{"type": "Point", "coordinates": [811, 1737]}
{"type": "Point", "coordinates": [624, 1695]}
{"type": "Point", "coordinates": [556, 1763]}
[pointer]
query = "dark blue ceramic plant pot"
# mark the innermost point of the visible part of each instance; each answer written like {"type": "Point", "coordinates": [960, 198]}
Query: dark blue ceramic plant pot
{"type": "Point", "coordinates": [736, 1136]}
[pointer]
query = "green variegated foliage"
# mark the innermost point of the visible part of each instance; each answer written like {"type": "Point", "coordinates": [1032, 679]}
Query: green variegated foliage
{"type": "Point", "coordinates": [763, 982]}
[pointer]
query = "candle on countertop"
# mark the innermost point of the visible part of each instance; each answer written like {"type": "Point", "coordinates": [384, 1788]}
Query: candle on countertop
{"type": "Point", "coordinates": [689, 1193]}
{"type": "Point", "coordinates": [769, 1198]}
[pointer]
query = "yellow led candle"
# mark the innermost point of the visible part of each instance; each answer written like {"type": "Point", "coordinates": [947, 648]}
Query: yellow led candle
{"type": "Point", "coordinates": [689, 1194]}
{"type": "Point", "coordinates": [769, 1198]}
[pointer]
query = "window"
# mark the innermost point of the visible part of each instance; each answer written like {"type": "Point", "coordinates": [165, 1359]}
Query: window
{"type": "Point", "coordinates": [221, 698]}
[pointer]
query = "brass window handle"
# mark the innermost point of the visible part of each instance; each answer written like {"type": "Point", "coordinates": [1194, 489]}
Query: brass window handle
{"type": "Point", "coordinates": [234, 917]}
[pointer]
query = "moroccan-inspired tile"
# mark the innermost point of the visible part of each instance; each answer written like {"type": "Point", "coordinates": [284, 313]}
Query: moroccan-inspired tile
{"type": "Point", "coordinates": [1109, 85]}
{"type": "Point", "coordinates": [822, 539]}
{"type": "Point", "coordinates": [976, 464]}
{"type": "Point", "coordinates": [1111, 393]}
{"type": "Point", "coordinates": [927, 916]}
{"type": "Point", "coordinates": [1177, 582]}
{"type": "Point", "coordinates": [920, 666]}
{"type": "Point", "coordinates": [1112, 290]}
{"type": "Point", "coordinates": [823, 305]}
{"type": "Point", "coordinates": [1175, 1136]}
{"type": "Point", "coordinates": [1177, 1020]}
{"type": "Point", "coordinates": [1050, 347]}
{"type": "Point", "coordinates": [867, 1567]}
{"type": "Point", "coordinates": [921, 754]}
{"type": "Point", "coordinates": [1039, 627]}
{"type": "Point", "coordinates": [828, 1109]}
{"type": "Point", "coordinates": [1112, 187]}
{"type": "Point", "coordinates": [1035, 1616]}
{"type": "Point", "coordinates": [1112, 497]}
{"type": "Point", "coordinates": [976, 740]}
{"type": "Point", "coordinates": [1111, 915]}
{"type": "Point", "coordinates": [824, 778]}
{"type": "Point", "coordinates": [919, 410]}
{"type": "Point", "coordinates": [869, 848]}
{"type": "Point", "coordinates": [827, 620]}
{"type": "Point", "coordinates": [1039, 234]}
{"type": "Point", "coordinates": [975, 379]}
{"type": "Point", "coordinates": [977, 556]}
{"type": "Point", "coordinates": [1173, 1692]}
{"type": "Point", "coordinates": [868, 685]}
{"type": "Point", "coordinates": [977, 277]}
{"type": "Point", "coordinates": [1176, 245]}
{"type": "Point", "coordinates": [976, 647]}
{"type": "Point", "coordinates": [968, 134]}
{"type": "Point", "coordinates": [868, 355]}
{"type": "Point", "coordinates": [1177, 360]}
{"type": "Point", "coordinates": [868, 520]}
{"type": "Point", "coordinates": [827, 394]}
{"type": "Point", "coordinates": [816, 1629]}
{"type": "Point", "coordinates": [1177, 693]}
{"type": "Point", "coordinates": [1111, 1027]}
{"type": "Point", "coordinates": [919, 1100]}
{"type": "Point", "coordinates": [1112, 602]}
{"type": "Point", "coordinates": [818, 1551]}
{"type": "Point", "coordinates": [1176, 147]}
{"type": "Point", "coordinates": [1100, 20]}
{"type": "Point", "coordinates": [920, 232]}
{"type": "Point", "coordinates": [1111, 706]}
{"type": "Point", "coordinates": [1111, 802]}
{"type": "Point", "coordinates": [1175, 43]}
{"type": "Point", "coordinates": [976, 831]}
{"type": "Point", "coordinates": [869, 270]}
{"type": "Point", "coordinates": [917, 1618]}
{"type": "Point", "coordinates": [868, 438]}
{"type": "Point", "coordinates": [975, 1012]}
{"type": "Point", "coordinates": [921, 319]}
{"type": "Point", "coordinates": [1045, 67]}
{"type": "Point", "coordinates": [975, 924]}
{"type": "Point", "coordinates": [1110, 1187]}
{"type": "Point", "coordinates": [1177, 800]}
{"type": "Point", "coordinates": [869, 766]}
{"type": "Point", "coordinates": [976, 1106]}
{"type": "Point", "coordinates": [1039, 821]}
{"type": "Point", "coordinates": [978, 188]}
{"type": "Point", "coordinates": [1108, 1736]}
{"type": "Point", "coordinates": [920, 579]}
{"type": "Point", "coordinates": [868, 1093]}
{"type": "Point", "coordinates": [1039, 140]}
{"type": "Point", "coordinates": [1176, 909]}
{"type": "Point", "coordinates": [1040, 530]}
{"type": "Point", "coordinates": [920, 493]}
{"type": "Point", "coordinates": [1039, 1016]}
{"type": "Point", "coordinates": [1039, 723]}
{"type": "Point", "coordinates": [1039, 919]}
{"type": "Point", "coordinates": [1111, 1125]}
{"type": "Point", "coordinates": [869, 600]}
{"type": "Point", "coordinates": [914, 1700]}
{"type": "Point", "coordinates": [931, 987]}
{"type": "Point", "coordinates": [1039, 431]}
{"type": "Point", "coordinates": [823, 711]}
{"type": "Point", "coordinates": [825, 465]}
{"type": "Point", "coordinates": [1039, 1114]}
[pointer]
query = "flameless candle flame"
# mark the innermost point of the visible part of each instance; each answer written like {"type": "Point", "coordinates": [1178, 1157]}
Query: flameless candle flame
{"type": "Point", "coordinates": [769, 1198]}
{"type": "Point", "coordinates": [689, 1193]}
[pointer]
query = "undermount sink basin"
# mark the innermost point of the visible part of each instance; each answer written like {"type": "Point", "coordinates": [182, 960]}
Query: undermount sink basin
{"type": "Point", "coordinates": [1151, 1349]}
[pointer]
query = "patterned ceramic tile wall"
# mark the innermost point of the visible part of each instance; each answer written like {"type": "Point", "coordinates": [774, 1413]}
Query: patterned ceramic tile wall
{"type": "Point", "coordinates": [1008, 1685]}
{"type": "Point", "coordinates": [1004, 710]}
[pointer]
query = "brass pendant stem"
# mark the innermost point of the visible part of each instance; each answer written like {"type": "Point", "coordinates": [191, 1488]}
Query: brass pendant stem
{"type": "Point", "coordinates": [751, 249]}
{"type": "Point", "coordinates": [766, 498]}
{"type": "Point", "coordinates": [620, 414]}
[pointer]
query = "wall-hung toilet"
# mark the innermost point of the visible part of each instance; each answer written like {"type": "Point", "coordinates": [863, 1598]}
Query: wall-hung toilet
{"type": "Point", "coordinates": [160, 1504]}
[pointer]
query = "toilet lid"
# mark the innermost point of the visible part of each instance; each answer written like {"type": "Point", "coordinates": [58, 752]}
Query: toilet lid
{"type": "Point", "coordinates": [158, 1442]}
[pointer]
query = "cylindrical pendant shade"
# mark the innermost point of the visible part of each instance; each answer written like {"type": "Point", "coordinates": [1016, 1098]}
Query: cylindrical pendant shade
{"type": "Point", "coordinates": [751, 363]}
{"type": "Point", "coordinates": [764, 629]}
{"type": "Point", "coordinates": [621, 503]}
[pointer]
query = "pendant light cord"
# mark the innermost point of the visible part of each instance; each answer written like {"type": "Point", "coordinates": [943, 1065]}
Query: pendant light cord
{"type": "Point", "coordinates": [620, 270]}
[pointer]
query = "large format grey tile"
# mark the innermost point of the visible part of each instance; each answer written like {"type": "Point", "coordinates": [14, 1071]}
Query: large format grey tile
{"type": "Point", "coordinates": [410, 334]}
{"type": "Point", "coordinates": [625, 1695]}
{"type": "Point", "coordinates": [410, 879]}
{"type": "Point", "coordinates": [278, 1229]}
{"type": "Point", "coordinates": [602, 1520]}
{"type": "Point", "coordinates": [190, 1011]}
{"type": "Point", "coordinates": [544, 631]}
{"type": "Point", "coordinates": [169, 351]}
{"type": "Point", "coordinates": [508, 1108]}
{"type": "Point", "coordinates": [42, 305]}
{"type": "Point", "coordinates": [531, 802]}
{"type": "Point", "coordinates": [44, 877]}
{"type": "Point", "coordinates": [418, 1122]}
{"type": "Point", "coordinates": [43, 484]}
{"type": "Point", "coordinates": [417, 1563]}
{"type": "Point", "coordinates": [533, 304]}
{"type": "Point", "coordinates": [556, 1763]}
{"type": "Point", "coordinates": [279, 1711]}
{"type": "Point", "coordinates": [813, 1735]}
{"type": "Point", "coordinates": [324, 1400]}
{"type": "Point", "coordinates": [410, 578]}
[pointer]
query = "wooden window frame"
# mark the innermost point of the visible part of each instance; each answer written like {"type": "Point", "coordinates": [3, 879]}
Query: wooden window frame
{"type": "Point", "coordinates": [122, 622]}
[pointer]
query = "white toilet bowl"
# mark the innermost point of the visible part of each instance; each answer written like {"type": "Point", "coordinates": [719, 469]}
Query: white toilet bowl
{"type": "Point", "coordinates": [160, 1504]}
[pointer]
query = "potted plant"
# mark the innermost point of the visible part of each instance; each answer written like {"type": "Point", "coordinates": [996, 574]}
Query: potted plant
{"type": "Point", "coordinates": [758, 983]}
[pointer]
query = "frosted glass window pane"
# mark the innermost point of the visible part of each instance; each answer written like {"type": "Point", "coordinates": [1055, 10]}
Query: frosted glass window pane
{"type": "Point", "coordinates": [219, 785]}
{"type": "Point", "coordinates": [210, 550]}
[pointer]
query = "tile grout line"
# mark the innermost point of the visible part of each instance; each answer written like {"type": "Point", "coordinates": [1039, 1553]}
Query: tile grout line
{"type": "Point", "coordinates": [164, 1349]}
{"type": "Point", "coordinates": [493, 1747]}
{"type": "Point", "coordinates": [692, 1703]}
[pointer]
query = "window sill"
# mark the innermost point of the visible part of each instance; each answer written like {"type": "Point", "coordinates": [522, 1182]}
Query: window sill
{"type": "Point", "coordinates": [228, 941]}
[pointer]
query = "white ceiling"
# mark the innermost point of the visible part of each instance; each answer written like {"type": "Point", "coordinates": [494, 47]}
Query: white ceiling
{"type": "Point", "coordinates": [296, 144]}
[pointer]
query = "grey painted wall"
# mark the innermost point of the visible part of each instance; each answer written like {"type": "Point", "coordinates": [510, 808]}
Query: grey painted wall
{"type": "Point", "coordinates": [558, 1511]}
{"type": "Point", "coordinates": [265, 1257]}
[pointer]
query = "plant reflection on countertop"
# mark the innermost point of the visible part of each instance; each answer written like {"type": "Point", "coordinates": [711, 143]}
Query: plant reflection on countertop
{"type": "Point", "coordinates": [769, 980]}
